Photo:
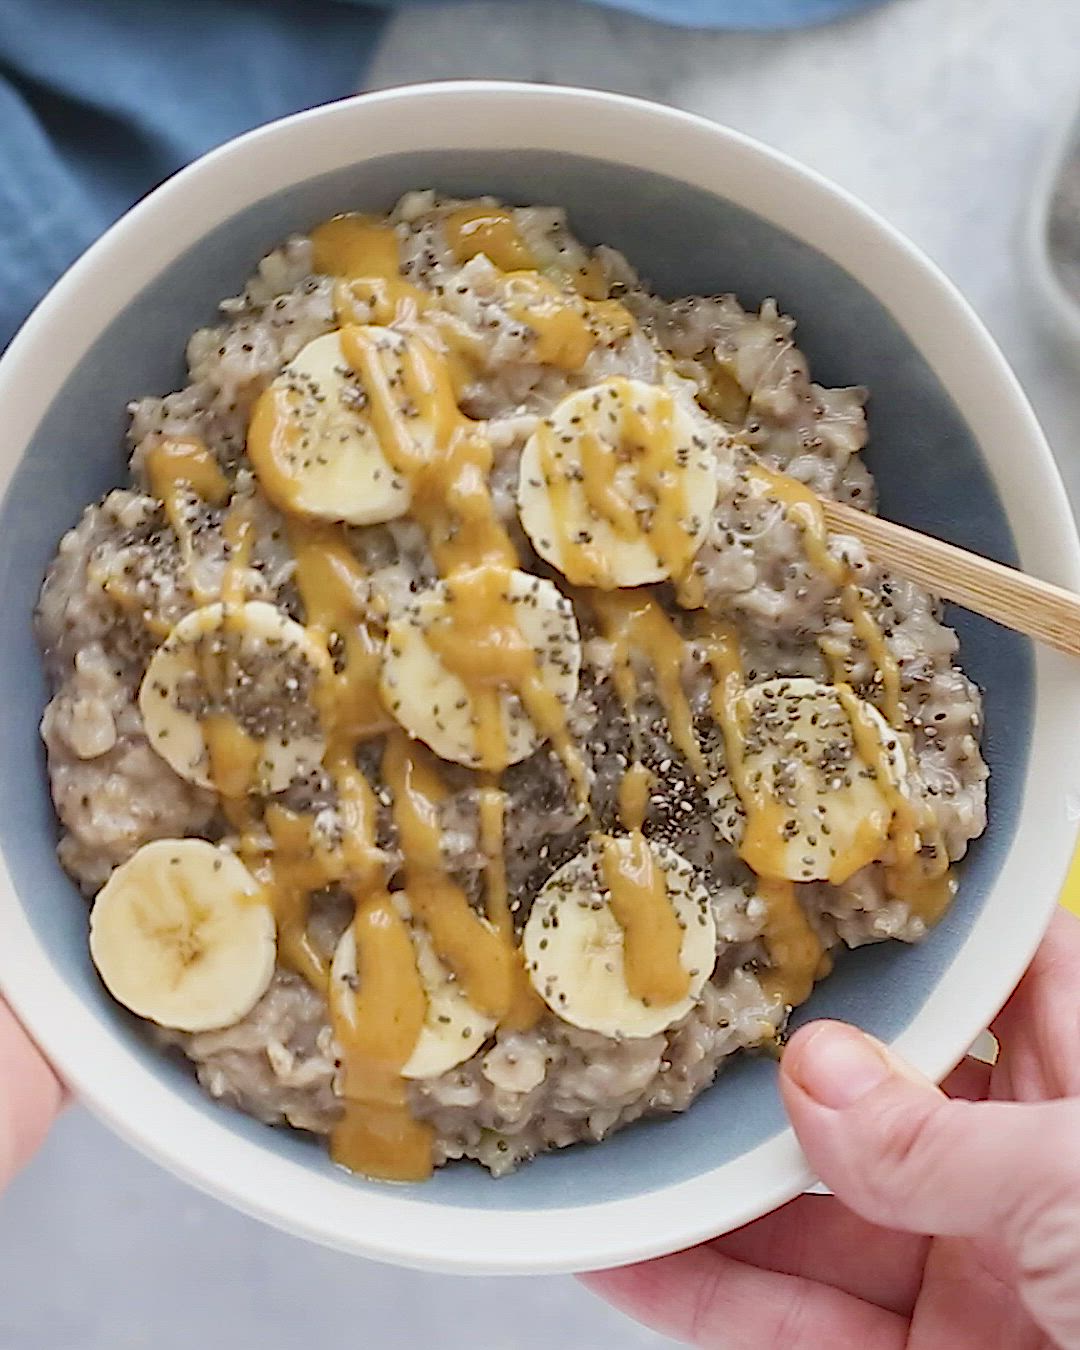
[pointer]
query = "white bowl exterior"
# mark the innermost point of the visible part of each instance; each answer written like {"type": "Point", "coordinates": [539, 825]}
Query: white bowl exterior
{"type": "Point", "coordinates": [386, 1224]}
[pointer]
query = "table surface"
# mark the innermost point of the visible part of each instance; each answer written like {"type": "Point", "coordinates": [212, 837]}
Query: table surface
{"type": "Point", "coordinates": [936, 112]}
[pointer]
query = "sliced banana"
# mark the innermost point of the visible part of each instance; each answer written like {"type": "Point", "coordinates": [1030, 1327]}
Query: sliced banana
{"type": "Point", "coordinates": [529, 618]}
{"type": "Point", "coordinates": [182, 934]}
{"type": "Point", "coordinates": [313, 440]}
{"type": "Point", "coordinates": [453, 1030]}
{"type": "Point", "coordinates": [818, 800]}
{"type": "Point", "coordinates": [618, 486]}
{"type": "Point", "coordinates": [574, 946]}
{"type": "Point", "coordinates": [229, 699]}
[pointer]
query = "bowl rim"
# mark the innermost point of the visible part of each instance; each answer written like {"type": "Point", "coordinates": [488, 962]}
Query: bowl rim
{"type": "Point", "coordinates": [387, 1224]}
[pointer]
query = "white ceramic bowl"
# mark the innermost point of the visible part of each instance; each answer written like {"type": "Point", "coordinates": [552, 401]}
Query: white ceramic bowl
{"type": "Point", "coordinates": [697, 208]}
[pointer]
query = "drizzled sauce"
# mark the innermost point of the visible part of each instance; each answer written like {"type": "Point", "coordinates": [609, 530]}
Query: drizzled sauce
{"type": "Point", "coordinates": [652, 935]}
{"type": "Point", "coordinates": [376, 1025]}
{"type": "Point", "coordinates": [796, 955]}
{"type": "Point", "coordinates": [804, 510]}
{"type": "Point", "coordinates": [175, 467]}
{"type": "Point", "coordinates": [176, 463]}
{"type": "Point", "coordinates": [634, 789]}
{"type": "Point", "coordinates": [364, 253]}
{"type": "Point", "coordinates": [483, 645]}
{"type": "Point", "coordinates": [635, 624]}
{"type": "Point", "coordinates": [917, 870]}
{"type": "Point", "coordinates": [448, 471]}
{"type": "Point", "coordinates": [493, 231]}
{"type": "Point", "coordinates": [564, 337]}
{"type": "Point", "coordinates": [473, 949]}
{"type": "Point", "coordinates": [473, 230]}
{"type": "Point", "coordinates": [641, 440]}
{"type": "Point", "coordinates": [637, 892]}
{"type": "Point", "coordinates": [795, 952]}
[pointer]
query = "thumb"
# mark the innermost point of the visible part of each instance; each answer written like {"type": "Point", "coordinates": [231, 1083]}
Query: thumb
{"type": "Point", "coordinates": [900, 1153]}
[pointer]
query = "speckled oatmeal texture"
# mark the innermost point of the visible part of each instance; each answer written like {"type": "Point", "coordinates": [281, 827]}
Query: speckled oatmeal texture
{"type": "Point", "coordinates": [523, 1092]}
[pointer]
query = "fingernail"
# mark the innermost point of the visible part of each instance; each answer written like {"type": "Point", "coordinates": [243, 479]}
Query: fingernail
{"type": "Point", "coordinates": [837, 1064]}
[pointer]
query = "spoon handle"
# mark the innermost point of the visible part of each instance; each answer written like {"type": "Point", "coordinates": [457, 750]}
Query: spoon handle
{"type": "Point", "coordinates": [1039, 609]}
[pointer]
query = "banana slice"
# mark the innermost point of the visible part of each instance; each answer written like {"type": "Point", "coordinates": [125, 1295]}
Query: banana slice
{"type": "Point", "coordinates": [821, 798]}
{"type": "Point", "coordinates": [453, 1030]}
{"type": "Point", "coordinates": [229, 699]}
{"type": "Point", "coordinates": [575, 947]}
{"type": "Point", "coordinates": [182, 934]}
{"type": "Point", "coordinates": [618, 486]}
{"type": "Point", "coordinates": [482, 666]}
{"type": "Point", "coordinates": [314, 444]}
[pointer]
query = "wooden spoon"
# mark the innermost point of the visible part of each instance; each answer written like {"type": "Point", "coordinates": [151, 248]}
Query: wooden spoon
{"type": "Point", "coordinates": [1036, 608]}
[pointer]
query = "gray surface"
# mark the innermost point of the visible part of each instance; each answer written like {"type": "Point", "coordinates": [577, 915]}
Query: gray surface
{"type": "Point", "coordinates": [934, 111]}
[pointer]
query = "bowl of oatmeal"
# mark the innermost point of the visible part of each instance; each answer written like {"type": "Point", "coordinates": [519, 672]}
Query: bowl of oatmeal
{"type": "Point", "coordinates": [466, 752]}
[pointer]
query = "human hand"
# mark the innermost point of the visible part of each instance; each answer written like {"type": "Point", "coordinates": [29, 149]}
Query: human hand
{"type": "Point", "coordinates": [997, 1184]}
{"type": "Point", "coordinates": [30, 1096]}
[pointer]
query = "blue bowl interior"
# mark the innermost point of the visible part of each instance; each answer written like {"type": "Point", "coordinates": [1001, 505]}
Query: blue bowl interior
{"type": "Point", "coordinates": [686, 241]}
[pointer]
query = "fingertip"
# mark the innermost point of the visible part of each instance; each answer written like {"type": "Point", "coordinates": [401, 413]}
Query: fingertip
{"type": "Point", "coordinates": [834, 1064]}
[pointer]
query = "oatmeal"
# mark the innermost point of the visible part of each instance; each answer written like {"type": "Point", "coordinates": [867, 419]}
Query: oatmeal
{"type": "Point", "coordinates": [465, 725]}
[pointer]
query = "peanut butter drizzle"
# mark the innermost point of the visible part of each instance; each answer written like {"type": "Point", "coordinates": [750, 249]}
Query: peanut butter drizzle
{"type": "Point", "coordinates": [178, 462]}
{"type": "Point", "coordinates": [449, 474]}
{"type": "Point", "coordinates": [652, 935]}
{"type": "Point", "coordinates": [482, 644]}
{"type": "Point", "coordinates": [633, 621]}
{"type": "Point", "coordinates": [564, 338]}
{"type": "Point", "coordinates": [376, 1027]}
{"type": "Point", "coordinates": [634, 789]}
{"type": "Point", "coordinates": [567, 327]}
{"type": "Point", "coordinates": [233, 752]}
{"type": "Point", "coordinates": [526, 1007]}
{"type": "Point", "coordinates": [489, 230]}
{"type": "Point", "coordinates": [647, 441]}
{"type": "Point", "coordinates": [238, 533]}
{"type": "Point", "coordinates": [796, 954]}
{"type": "Point", "coordinates": [174, 466]}
{"type": "Point", "coordinates": [471, 947]}
{"type": "Point", "coordinates": [491, 815]}
{"type": "Point", "coordinates": [804, 510]}
{"type": "Point", "coordinates": [363, 252]}
{"type": "Point", "coordinates": [492, 231]}
{"type": "Point", "coordinates": [917, 867]}
{"type": "Point", "coordinates": [918, 871]}
{"type": "Point", "coordinates": [296, 867]}
{"type": "Point", "coordinates": [797, 958]}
